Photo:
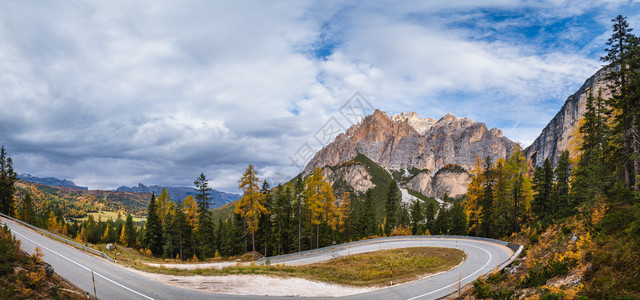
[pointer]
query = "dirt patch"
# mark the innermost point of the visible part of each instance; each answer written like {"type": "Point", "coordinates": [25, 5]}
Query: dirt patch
{"type": "Point", "coordinates": [260, 285]}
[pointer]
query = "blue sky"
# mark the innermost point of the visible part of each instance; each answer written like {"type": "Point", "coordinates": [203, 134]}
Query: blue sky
{"type": "Point", "coordinates": [111, 93]}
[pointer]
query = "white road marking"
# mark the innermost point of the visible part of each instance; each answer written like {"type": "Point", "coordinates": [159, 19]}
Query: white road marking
{"type": "Point", "coordinates": [463, 279]}
{"type": "Point", "coordinates": [75, 262]}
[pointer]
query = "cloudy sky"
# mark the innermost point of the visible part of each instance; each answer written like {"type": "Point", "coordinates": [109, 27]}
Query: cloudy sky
{"type": "Point", "coordinates": [111, 93]}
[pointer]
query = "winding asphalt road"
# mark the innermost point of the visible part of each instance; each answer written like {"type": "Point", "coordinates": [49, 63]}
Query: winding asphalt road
{"type": "Point", "coordinates": [115, 282]}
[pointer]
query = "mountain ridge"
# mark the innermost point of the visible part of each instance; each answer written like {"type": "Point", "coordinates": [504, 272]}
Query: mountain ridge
{"type": "Point", "coordinates": [404, 141]}
{"type": "Point", "coordinates": [51, 181]}
{"type": "Point", "coordinates": [179, 193]}
{"type": "Point", "coordinates": [558, 135]}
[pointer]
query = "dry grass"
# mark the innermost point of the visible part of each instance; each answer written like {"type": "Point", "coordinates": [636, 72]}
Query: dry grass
{"type": "Point", "coordinates": [367, 269]}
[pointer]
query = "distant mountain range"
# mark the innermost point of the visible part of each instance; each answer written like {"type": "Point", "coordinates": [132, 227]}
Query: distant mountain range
{"type": "Point", "coordinates": [51, 181]}
{"type": "Point", "coordinates": [219, 198]}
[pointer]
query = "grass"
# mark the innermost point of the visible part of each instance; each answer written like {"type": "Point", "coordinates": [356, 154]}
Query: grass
{"type": "Point", "coordinates": [106, 215]}
{"type": "Point", "coordinates": [366, 269]}
{"type": "Point", "coordinates": [425, 199]}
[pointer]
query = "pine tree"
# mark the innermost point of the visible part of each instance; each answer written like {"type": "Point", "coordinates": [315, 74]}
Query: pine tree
{"type": "Point", "coordinates": [591, 174]}
{"type": "Point", "coordinates": [170, 236]}
{"type": "Point", "coordinates": [458, 219]}
{"type": "Point", "coordinates": [206, 231]}
{"type": "Point", "coordinates": [417, 217]}
{"type": "Point", "coordinates": [153, 228]}
{"type": "Point", "coordinates": [298, 209]}
{"type": "Point", "coordinates": [392, 208]}
{"type": "Point", "coordinates": [265, 226]}
{"type": "Point", "coordinates": [252, 204]}
{"type": "Point", "coordinates": [560, 192]}
{"type": "Point", "coordinates": [182, 231]}
{"type": "Point", "coordinates": [620, 56]}
{"type": "Point", "coordinates": [282, 215]}
{"type": "Point", "coordinates": [543, 186]}
{"type": "Point", "coordinates": [430, 214]}
{"type": "Point", "coordinates": [129, 231]}
{"type": "Point", "coordinates": [486, 204]}
{"type": "Point", "coordinates": [203, 197]}
{"type": "Point", "coordinates": [26, 212]}
{"type": "Point", "coordinates": [368, 221]}
{"type": "Point", "coordinates": [7, 180]}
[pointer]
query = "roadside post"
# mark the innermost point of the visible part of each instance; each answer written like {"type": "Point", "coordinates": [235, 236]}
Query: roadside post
{"type": "Point", "coordinates": [95, 295]}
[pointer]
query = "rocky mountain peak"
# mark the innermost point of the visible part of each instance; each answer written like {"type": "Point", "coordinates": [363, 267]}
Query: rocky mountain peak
{"type": "Point", "coordinates": [405, 141]}
{"type": "Point", "coordinates": [420, 125]}
{"type": "Point", "coordinates": [559, 133]}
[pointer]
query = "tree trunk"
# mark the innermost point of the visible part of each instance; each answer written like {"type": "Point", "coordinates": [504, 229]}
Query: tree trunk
{"type": "Point", "coordinates": [636, 152]}
{"type": "Point", "coordinates": [253, 241]}
{"type": "Point", "coordinates": [299, 225]}
{"type": "Point", "coordinates": [317, 236]}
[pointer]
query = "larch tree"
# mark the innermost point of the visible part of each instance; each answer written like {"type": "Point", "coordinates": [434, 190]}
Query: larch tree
{"type": "Point", "coordinates": [252, 204]}
{"type": "Point", "coordinates": [164, 204]}
{"type": "Point", "coordinates": [320, 202]}
{"type": "Point", "coordinates": [474, 196]}
{"type": "Point", "coordinates": [191, 211]}
{"type": "Point", "coordinates": [344, 210]}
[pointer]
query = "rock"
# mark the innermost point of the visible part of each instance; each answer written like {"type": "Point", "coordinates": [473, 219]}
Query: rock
{"type": "Point", "coordinates": [452, 183]}
{"type": "Point", "coordinates": [111, 247]}
{"type": "Point", "coordinates": [405, 141]}
{"type": "Point", "coordinates": [355, 174]}
{"type": "Point", "coordinates": [48, 269]}
{"type": "Point", "coordinates": [558, 135]}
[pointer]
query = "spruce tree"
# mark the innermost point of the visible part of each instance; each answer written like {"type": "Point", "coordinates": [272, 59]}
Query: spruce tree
{"type": "Point", "coordinates": [560, 193]}
{"type": "Point", "coordinates": [8, 178]}
{"type": "Point", "coordinates": [153, 229]}
{"type": "Point", "coordinates": [368, 219]}
{"type": "Point", "coordinates": [486, 203]}
{"type": "Point", "coordinates": [26, 212]}
{"type": "Point", "coordinates": [392, 208]}
{"type": "Point", "coordinates": [182, 231]}
{"type": "Point", "coordinates": [129, 231]}
{"type": "Point", "coordinates": [206, 231]}
{"type": "Point", "coordinates": [621, 57]}
{"type": "Point", "coordinates": [417, 217]}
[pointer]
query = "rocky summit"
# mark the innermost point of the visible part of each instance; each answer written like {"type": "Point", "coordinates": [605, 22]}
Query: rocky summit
{"type": "Point", "coordinates": [433, 156]}
{"type": "Point", "coordinates": [560, 133]}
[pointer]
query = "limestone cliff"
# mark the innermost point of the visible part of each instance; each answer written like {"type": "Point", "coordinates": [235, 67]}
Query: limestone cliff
{"type": "Point", "coordinates": [557, 136]}
{"type": "Point", "coordinates": [404, 142]}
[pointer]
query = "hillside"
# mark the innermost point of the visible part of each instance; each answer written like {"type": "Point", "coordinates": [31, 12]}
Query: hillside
{"type": "Point", "coordinates": [24, 276]}
{"type": "Point", "coordinates": [77, 202]}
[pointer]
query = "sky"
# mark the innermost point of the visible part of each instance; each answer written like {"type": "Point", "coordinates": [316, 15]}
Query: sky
{"type": "Point", "coordinates": [112, 93]}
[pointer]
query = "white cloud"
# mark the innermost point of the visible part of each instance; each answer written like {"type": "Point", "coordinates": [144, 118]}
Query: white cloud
{"type": "Point", "coordinates": [117, 93]}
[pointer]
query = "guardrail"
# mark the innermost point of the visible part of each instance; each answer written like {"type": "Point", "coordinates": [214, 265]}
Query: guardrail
{"type": "Point", "coordinates": [57, 237]}
{"type": "Point", "coordinates": [514, 247]}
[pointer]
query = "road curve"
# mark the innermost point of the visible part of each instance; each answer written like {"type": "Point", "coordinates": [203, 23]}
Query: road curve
{"type": "Point", "coordinates": [115, 282]}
